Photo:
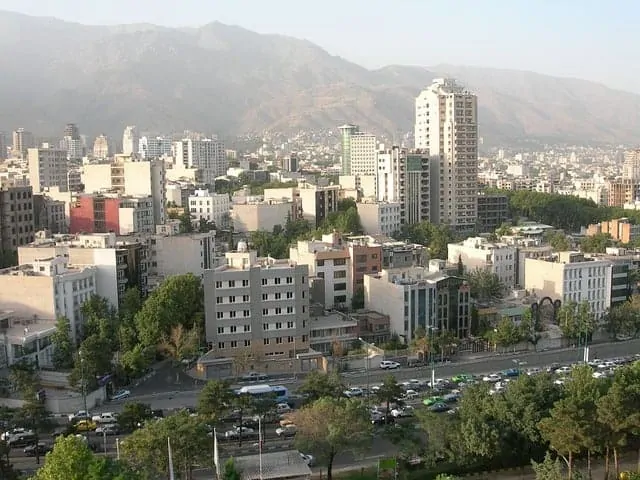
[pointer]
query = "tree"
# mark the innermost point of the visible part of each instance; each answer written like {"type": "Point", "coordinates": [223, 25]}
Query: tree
{"type": "Point", "coordinates": [530, 328]}
{"type": "Point", "coordinates": [460, 267]}
{"type": "Point", "coordinates": [561, 433]}
{"type": "Point", "coordinates": [133, 415]}
{"type": "Point", "coordinates": [330, 426]}
{"type": "Point", "coordinates": [576, 321]}
{"type": "Point", "coordinates": [7, 472]}
{"type": "Point", "coordinates": [62, 344]}
{"type": "Point", "coordinates": [70, 459]}
{"type": "Point", "coordinates": [214, 400]}
{"type": "Point", "coordinates": [145, 450]}
{"type": "Point", "coordinates": [131, 304]}
{"type": "Point", "coordinates": [389, 392]}
{"type": "Point", "coordinates": [230, 471]}
{"type": "Point", "coordinates": [357, 302]}
{"type": "Point", "coordinates": [624, 319]}
{"type": "Point", "coordinates": [317, 385]}
{"type": "Point", "coordinates": [549, 469]}
{"type": "Point", "coordinates": [421, 343]}
{"type": "Point", "coordinates": [93, 359]}
{"type": "Point", "coordinates": [180, 343]}
{"type": "Point", "coordinates": [177, 301]}
{"type": "Point", "coordinates": [243, 403]}
{"type": "Point", "coordinates": [597, 243]}
{"type": "Point", "coordinates": [558, 241]}
{"type": "Point", "coordinates": [100, 318]}
{"type": "Point", "coordinates": [485, 286]}
{"type": "Point", "coordinates": [506, 334]}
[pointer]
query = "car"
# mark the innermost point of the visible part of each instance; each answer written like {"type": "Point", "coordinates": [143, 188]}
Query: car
{"type": "Point", "coordinates": [410, 394]}
{"type": "Point", "coordinates": [562, 370]}
{"type": "Point", "coordinates": [254, 377]}
{"type": "Point", "coordinates": [282, 408]}
{"type": "Point", "coordinates": [15, 432]}
{"type": "Point", "coordinates": [79, 415]}
{"type": "Point", "coordinates": [533, 371]}
{"type": "Point", "coordinates": [462, 378]}
{"type": "Point", "coordinates": [379, 418]}
{"type": "Point", "coordinates": [553, 367]}
{"type": "Point", "coordinates": [21, 439]}
{"type": "Point", "coordinates": [439, 407]}
{"type": "Point", "coordinates": [404, 412]}
{"type": "Point", "coordinates": [41, 448]}
{"type": "Point", "coordinates": [240, 432]}
{"type": "Point", "coordinates": [308, 459]}
{"type": "Point", "coordinates": [492, 378]}
{"type": "Point", "coordinates": [286, 432]}
{"type": "Point", "coordinates": [106, 417]}
{"type": "Point", "coordinates": [107, 429]}
{"type": "Point", "coordinates": [511, 372]}
{"type": "Point", "coordinates": [121, 395]}
{"type": "Point", "coordinates": [432, 401]}
{"type": "Point", "coordinates": [353, 392]}
{"type": "Point", "coordinates": [85, 426]}
{"type": "Point", "coordinates": [451, 397]}
{"type": "Point", "coordinates": [389, 365]}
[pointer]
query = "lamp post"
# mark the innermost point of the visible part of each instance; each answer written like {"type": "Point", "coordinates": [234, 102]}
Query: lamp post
{"type": "Point", "coordinates": [84, 384]}
{"type": "Point", "coordinates": [431, 356]}
{"type": "Point", "coordinates": [366, 359]}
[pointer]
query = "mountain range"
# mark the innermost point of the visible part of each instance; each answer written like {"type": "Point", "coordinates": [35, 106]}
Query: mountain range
{"type": "Point", "coordinates": [228, 80]}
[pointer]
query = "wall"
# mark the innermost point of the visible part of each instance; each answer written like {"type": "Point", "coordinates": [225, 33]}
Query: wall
{"type": "Point", "coordinates": [112, 215]}
{"type": "Point", "coordinates": [96, 177]}
{"type": "Point", "coordinates": [27, 296]}
{"type": "Point", "coordinates": [69, 402]}
{"type": "Point", "coordinates": [104, 259]}
{"type": "Point", "coordinates": [253, 217]}
{"type": "Point", "coordinates": [81, 216]}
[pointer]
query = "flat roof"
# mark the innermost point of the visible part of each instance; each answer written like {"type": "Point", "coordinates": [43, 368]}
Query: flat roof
{"type": "Point", "coordinates": [333, 320]}
{"type": "Point", "coordinates": [276, 465]}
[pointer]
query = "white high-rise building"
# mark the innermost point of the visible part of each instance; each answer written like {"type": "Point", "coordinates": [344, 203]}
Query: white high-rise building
{"type": "Point", "coordinates": [359, 151]}
{"type": "Point", "coordinates": [446, 127]}
{"type": "Point", "coordinates": [206, 154]}
{"type": "Point", "coordinates": [154, 147]}
{"type": "Point", "coordinates": [130, 141]}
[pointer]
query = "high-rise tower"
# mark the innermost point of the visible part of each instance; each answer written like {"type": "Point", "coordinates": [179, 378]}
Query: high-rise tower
{"type": "Point", "coordinates": [130, 141]}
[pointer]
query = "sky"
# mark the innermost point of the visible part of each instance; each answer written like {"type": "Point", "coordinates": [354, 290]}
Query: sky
{"type": "Point", "coordinates": [589, 39]}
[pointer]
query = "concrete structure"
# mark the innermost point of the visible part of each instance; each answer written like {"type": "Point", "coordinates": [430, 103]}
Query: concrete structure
{"type": "Point", "coordinates": [101, 147]}
{"type": "Point", "coordinates": [282, 465]}
{"type": "Point", "coordinates": [72, 142]}
{"type": "Point", "coordinates": [206, 154]}
{"type": "Point", "coordinates": [358, 151]}
{"type": "Point", "coordinates": [119, 265]}
{"type": "Point", "coordinates": [318, 202]}
{"type": "Point", "coordinates": [493, 211]}
{"type": "Point", "coordinates": [526, 248]}
{"type": "Point", "coordinates": [631, 166]}
{"type": "Point", "coordinates": [262, 215]}
{"type": "Point", "coordinates": [48, 167]}
{"type": "Point", "coordinates": [17, 224]}
{"type": "Point", "coordinates": [366, 185]}
{"type": "Point", "coordinates": [620, 229]}
{"type": "Point", "coordinates": [22, 141]}
{"type": "Point", "coordinates": [48, 288]}
{"type": "Point", "coordinates": [571, 277]}
{"type": "Point", "coordinates": [257, 308]}
{"type": "Point", "coordinates": [127, 176]}
{"type": "Point", "coordinates": [155, 147]}
{"type": "Point", "coordinates": [49, 214]}
{"type": "Point", "coordinates": [366, 259]}
{"type": "Point", "coordinates": [477, 252]}
{"type": "Point", "coordinates": [25, 340]}
{"type": "Point", "coordinates": [622, 191]}
{"type": "Point", "coordinates": [379, 218]}
{"type": "Point", "coordinates": [346, 133]}
{"type": "Point", "coordinates": [135, 215]}
{"type": "Point", "coordinates": [420, 297]}
{"type": "Point", "coordinates": [330, 328]}
{"type": "Point", "coordinates": [329, 260]}
{"type": "Point", "coordinates": [212, 207]}
{"type": "Point", "coordinates": [373, 327]}
{"type": "Point", "coordinates": [291, 163]}
{"type": "Point", "coordinates": [95, 214]}
{"type": "Point", "coordinates": [446, 126]}
{"type": "Point", "coordinates": [130, 141]}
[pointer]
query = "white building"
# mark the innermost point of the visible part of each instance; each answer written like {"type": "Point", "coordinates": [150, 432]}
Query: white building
{"type": "Point", "coordinates": [101, 147]}
{"type": "Point", "coordinates": [206, 154]}
{"type": "Point", "coordinates": [477, 252]}
{"type": "Point", "coordinates": [254, 215]}
{"type": "Point", "coordinates": [213, 207]}
{"type": "Point", "coordinates": [25, 340]}
{"type": "Point", "coordinates": [48, 288]}
{"type": "Point", "coordinates": [135, 215]}
{"type": "Point", "coordinates": [446, 126]}
{"type": "Point", "coordinates": [570, 277]}
{"type": "Point", "coordinates": [155, 147]}
{"type": "Point", "coordinates": [48, 167]}
{"type": "Point", "coordinates": [130, 141]}
{"type": "Point", "coordinates": [379, 217]}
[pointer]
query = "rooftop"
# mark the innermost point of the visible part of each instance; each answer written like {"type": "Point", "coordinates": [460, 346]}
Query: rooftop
{"type": "Point", "coordinates": [332, 320]}
{"type": "Point", "coordinates": [276, 465]}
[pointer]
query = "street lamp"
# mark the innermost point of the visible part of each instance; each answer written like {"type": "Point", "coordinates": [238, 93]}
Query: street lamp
{"type": "Point", "coordinates": [366, 359]}
{"type": "Point", "coordinates": [84, 384]}
{"type": "Point", "coordinates": [432, 329]}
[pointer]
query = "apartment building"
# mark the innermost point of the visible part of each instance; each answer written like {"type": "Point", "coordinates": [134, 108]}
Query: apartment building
{"type": "Point", "coordinates": [526, 248]}
{"type": "Point", "coordinates": [130, 141]}
{"type": "Point", "coordinates": [366, 259]}
{"type": "Point", "coordinates": [22, 141]}
{"type": "Point", "coordinates": [622, 191]}
{"type": "Point", "coordinates": [111, 213]}
{"type": "Point", "coordinates": [317, 202]}
{"type": "Point", "coordinates": [264, 215]}
{"type": "Point", "coordinates": [49, 214]}
{"type": "Point", "coordinates": [155, 147]}
{"type": "Point", "coordinates": [493, 211]}
{"type": "Point", "coordinates": [330, 328]}
{"type": "Point", "coordinates": [257, 309]}
{"type": "Point", "coordinates": [358, 151]}
{"type": "Point", "coordinates": [101, 147]}
{"type": "Point", "coordinates": [477, 252]}
{"type": "Point", "coordinates": [571, 277]}
{"type": "Point", "coordinates": [48, 289]}
{"type": "Point", "coordinates": [212, 207]}
{"type": "Point", "coordinates": [207, 155]}
{"type": "Point", "coordinates": [631, 165]}
{"type": "Point", "coordinates": [17, 223]}
{"type": "Point", "coordinates": [127, 176]}
{"type": "Point", "coordinates": [420, 297]}
{"type": "Point", "coordinates": [119, 264]}
{"type": "Point", "coordinates": [379, 218]}
{"type": "Point", "coordinates": [446, 126]}
{"type": "Point", "coordinates": [620, 229]}
{"type": "Point", "coordinates": [48, 167]}
{"type": "Point", "coordinates": [25, 339]}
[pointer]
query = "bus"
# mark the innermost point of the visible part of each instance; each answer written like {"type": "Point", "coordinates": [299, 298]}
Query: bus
{"type": "Point", "coordinates": [279, 393]}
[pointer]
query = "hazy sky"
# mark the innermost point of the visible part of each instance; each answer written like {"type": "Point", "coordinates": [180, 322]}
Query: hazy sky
{"type": "Point", "coordinates": [594, 40]}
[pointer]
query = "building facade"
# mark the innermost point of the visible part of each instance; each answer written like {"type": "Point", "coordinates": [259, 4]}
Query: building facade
{"type": "Point", "coordinates": [207, 155]}
{"type": "Point", "coordinates": [48, 167]}
{"type": "Point", "coordinates": [130, 141]}
{"type": "Point", "coordinates": [493, 211]}
{"type": "Point", "coordinates": [212, 207]}
{"type": "Point", "coordinates": [101, 147]}
{"type": "Point", "coordinates": [49, 214]}
{"type": "Point", "coordinates": [477, 252]}
{"type": "Point", "coordinates": [262, 215]}
{"type": "Point", "coordinates": [379, 218]}
{"type": "Point", "coordinates": [17, 222]}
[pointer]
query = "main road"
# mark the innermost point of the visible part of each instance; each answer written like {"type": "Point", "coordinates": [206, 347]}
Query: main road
{"type": "Point", "coordinates": [481, 365]}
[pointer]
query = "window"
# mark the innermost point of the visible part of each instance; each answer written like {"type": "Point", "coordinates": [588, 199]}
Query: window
{"type": "Point", "coordinates": [278, 310]}
{"type": "Point", "coordinates": [278, 325]}
{"type": "Point", "coordinates": [289, 294]}
{"type": "Point", "coordinates": [340, 299]}
{"type": "Point", "coordinates": [361, 258]}
{"type": "Point", "coordinates": [276, 280]}
{"type": "Point", "coordinates": [247, 343]}
{"type": "Point", "coordinates": [338, 287]}
{"type": "Point", "coordinates": [289, 280]}
{"type": "Point", "coordinates": [319, 263]}
{"type": "Point", "coordinates": [218, 299]}
{"type": "Point", "coordinates": [220, 330]}
{"type": "Point", "coordinates": [305, 338]}
{"type": "Point", "coordinates": [247, 328]}
{"type": "Point", "coordinates": [265, 296]}
{"type": "Point", "coordinates": [289, 309]}
{"type": "Point", "coordinates": [290, 339]}
{"type": "Point", "coordinates": [232, 298]}
{"type": "Point", "coordinates": [218, 284]}
{"type": "Point", "coordinates": [245, 283]}
{"type": "Point", "coordinates": [303, 293]}
{"type": "Point", "coordinates": [374, 256]}
{"type": "Point", "coordinates": [234, 344]}
{"type": "Point", "coordinates": [220, 345]}
{"type": "Point", "coordinates": [246, 313]}
{"type": "Point", "coordinates": [264, 281]}
{"type": "Point", "coordinates": [320, 274]}
{"type": "Point", "coordinates": [245, 298]}
{"type": "Point", "coordinates": [233, 328]}
{"type": "Point", "coordinates": [278, 296]}
{"type": "Point", "coordinates": [265, 311]}
{"type": "Point", "coordinates": [232, 314]}
{"type": "Point", "coordinates": [289, 324]}
{"type": "Point", "coordinates": [340, 274]}
{"type": "Point", "coordinates": [339, 261]}
{"type": "Point", "coordinates": [219, 315]}
{"type": "Point", "coordinates": [278, 340]}
{"type": "Point", "coordinates": [232, 283]}
{"type": "Point", "coordinates": [265, 326]}
{"type": "Point", "coordinates": [265, 341]}
{"type": "Point", "coordinates": [304, 309]}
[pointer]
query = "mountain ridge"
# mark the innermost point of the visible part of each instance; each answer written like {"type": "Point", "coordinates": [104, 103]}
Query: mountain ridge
{"type": "Point", "coordinates": [226, 79]}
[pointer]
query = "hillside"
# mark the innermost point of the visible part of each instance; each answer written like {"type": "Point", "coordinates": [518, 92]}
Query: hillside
{"type": "Point", "coordinates": [225, 79]}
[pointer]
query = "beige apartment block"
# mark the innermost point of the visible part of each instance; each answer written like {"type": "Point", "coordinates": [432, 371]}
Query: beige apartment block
{"type": "Point", "coordinates": [262, 215]}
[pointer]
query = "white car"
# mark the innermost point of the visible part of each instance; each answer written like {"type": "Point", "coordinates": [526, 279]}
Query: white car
{"type": "Point", "coordinates": [563, 370]}
{"type": "Point", "coordinates": [492, 378]}
{"type": "Point", "coordinates": [406, 411]}
{"type": "Point", "coordinates": [308, 459]}
{"type": "Point", "coordinates": [389, 365]}
{"type": "Point", "coordinates": [107, 429]}
{"type": "Point", "coordinates": [239, 431]}
{"type": "Point", "coordinates": [105, 418]}
{"type": "Point", "coordinates": [282, 408]}
{"type": "Point", "coordinates": [533, 371]}
{"type": "Point", "coordinates": [411, 394]}
{"type": "Point", "coordinates": [80, 415]}
{"type": "Point", "coordinates": [353, 392]}
{"type": "Point", "coordinates": [15, 433]}
{"type": "Point", "coordinates": [121, 395]}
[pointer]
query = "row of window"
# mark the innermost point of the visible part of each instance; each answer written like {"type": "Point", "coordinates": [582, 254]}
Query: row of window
{"type": "Point", "coordinates": [234, 329]}
{"type": "Point", "coordinates": [336, 262]}
{"type": "Point", "coordinates": [265, 312]}
{"type": "Point", "coordinates": [231, 283]}
{"type": "Point", "coordinates": [232, 299]}
{"type": "Point", "coordinates": [232, 314]}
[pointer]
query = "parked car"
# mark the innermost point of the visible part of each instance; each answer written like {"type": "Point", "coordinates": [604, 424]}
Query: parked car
{"type": "Point", "coordinates": [120, 395]}
{"type": "Point", "coordinates": [492, 378]}
{"type": "Point", "coordinates": [404, 412]}
{"type": "Point", "coordinates": [85, 426]}
{"type": "Point", "coordinates": [432, 401]}
{"type": "Point", "coordinates": [240, 432]}
{"type": "Point", "coordinates": [389, 365]}
{"type": "Point", "coordinates": [353, 392]}
{"type": "Point", "coordinates": [254, 377]}
{"type": "Point", "coordinates": [282, 408]}
{"type": "Point", "coordinates": [107, 429]}
{"type": "Point", "coordinates": [411, 394]}
{"type": "Point", "coordinates": [287, 432]}
{"type": "Point", "coordinates": [308, 459]}
{"type": "Point", "coordinates": [439, 407]}
{"type": "Point", "coordinates": [42, 448]}
{"type": "Point", "coordinates": [511, 372]}
{"type": "Point", "coordinates": [79, 415]}
{"type": "Point", "coordinates": [462, 378]}
{"type": "Point", "coordinates": [15, 432]}
{"type": "Point", "coordinates": [106, 417]}
{"type": "Point", "coordinates": [21, 439]}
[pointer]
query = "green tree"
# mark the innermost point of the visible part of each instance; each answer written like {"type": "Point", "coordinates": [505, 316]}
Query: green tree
{"type": "Point", "coordinates": [421, 343]}
{"type": "Point", "coordinates": [70, 459]}
{"type": "Point", "coordinates": [131, 305]}
{"type": "Point", "coordinates": [317, 385]}
{"type": "Point", "coordinates": [558, 241]}
{"type": "Point", "coordinates": [92, 360]}
{"type": "Point", "coordinates": [624, 319]}
{"type": "Point", "coordinates": [357, 302]}
{"type": "Point", "coordinates": [530, 328]}
{"type": "Point", "coordinates": [145, 450]}
{"type": "Point", "coordinates": [576, 321]}
{"type": "Point", "coordinates": [243, 403]}
{"type": "Point", "coordinates": [62, 344]}
{"type": "Point", "coordinates": [230, 471]}
{"type": "Point", "coordinates": [180, 343]}
{"type": "Point", "coordinates": [390, 391]}
{"type": "Point", "coordinates": [135, 362]}
{"type": "Point", "coordinates": [330, 426]}
{"type": "Point", "coordinates": [177, 301]}
{"type": "Point", "coordinates": [549, 469]}
{"type": "Point", "coordinates": [506, 334]}
{"type": "Point", "coordinates": [597, 243]}
{"type": "Point", "coordinates": [100, 318]}
{"type": "Point", "coordinates": [214, 400]}
{"type": "Point", "coordinates": [485, 286]}
{"type": "Point", "coordinates": [134, 414]}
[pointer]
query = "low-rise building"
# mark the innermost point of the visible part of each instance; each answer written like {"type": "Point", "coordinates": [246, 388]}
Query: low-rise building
{"type": "Point", "coordinates": [379, 218]}
{"type": "Point", "coordinates": [620, 229]}
{"type": "Point", "coordinates": [332, 329]}
{"type": "Point", "coordinates": [254, 215]}
{"type": "Point", "coordinates": [478, 252]}
{"type": "Point", "coordinates": [26, 339]}
{"type": "Point", "coordinates": [212, 207]}
{"type": "Point", "coordinates": [373, 327]}
{"type": "Point", "coordinates": [97, 213]}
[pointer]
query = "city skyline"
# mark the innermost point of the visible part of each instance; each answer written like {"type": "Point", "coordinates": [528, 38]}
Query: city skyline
{"type": "Point", "coordinates": [514, 35]}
